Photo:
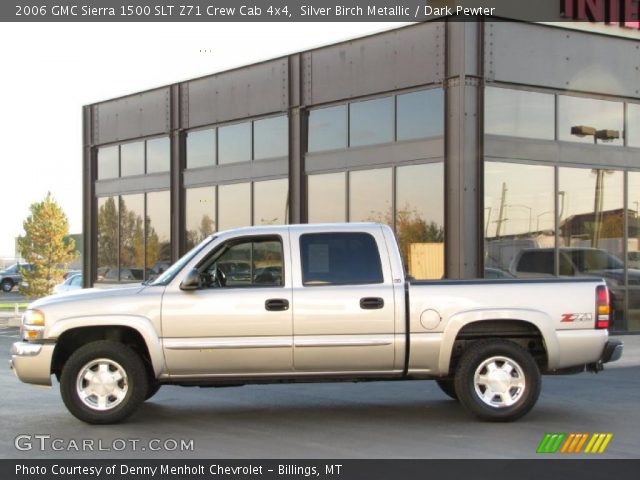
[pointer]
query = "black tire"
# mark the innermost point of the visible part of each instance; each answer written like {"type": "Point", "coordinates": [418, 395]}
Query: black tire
{"type": "Point", "coordinates": [6, 285]}
{"type": "Point", "coordinates": [134, 382]}
{"type": "Point", "coordinates": [517, 389]}
{"type": "Point", "coordinates": [153, 389]}
{"type": "Point", "coordinates": [448, 387]}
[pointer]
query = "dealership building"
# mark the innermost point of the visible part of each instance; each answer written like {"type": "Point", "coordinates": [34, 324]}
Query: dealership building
{"type": "Point", "coordinates": [493, 149]}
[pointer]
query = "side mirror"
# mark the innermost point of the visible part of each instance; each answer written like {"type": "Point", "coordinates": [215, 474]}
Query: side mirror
{"type": "Point", "coordinates": [191, 281]}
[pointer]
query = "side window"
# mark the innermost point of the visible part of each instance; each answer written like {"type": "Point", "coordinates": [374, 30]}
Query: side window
{"type": "Point", "coordinates": [536, 261]}
{"type": "Point", "coordinates": [339, 259]}
{"type": "Point", "coordinates": [256, 262]}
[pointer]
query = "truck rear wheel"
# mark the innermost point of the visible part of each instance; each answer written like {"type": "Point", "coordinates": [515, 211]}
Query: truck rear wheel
{"type": "Point", "coordinates": [497, 380]}
{"type": "Point", "coordinates": [103, 382]}
{"type": "Point", "coordinates": [448, 387]}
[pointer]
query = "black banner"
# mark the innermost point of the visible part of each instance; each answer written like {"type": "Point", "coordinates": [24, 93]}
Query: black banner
{"type": "Point", "coordinates": [621, 12]}
{"type": "Point", "coordinates": [327, 469]}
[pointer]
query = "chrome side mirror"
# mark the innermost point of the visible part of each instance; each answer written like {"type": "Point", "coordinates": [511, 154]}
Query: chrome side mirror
{"type": "Point", "coordinates": [191, 281]}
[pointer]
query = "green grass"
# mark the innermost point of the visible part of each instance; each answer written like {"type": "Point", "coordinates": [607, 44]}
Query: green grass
{"type": "Point", "coordinates": [11, 306]}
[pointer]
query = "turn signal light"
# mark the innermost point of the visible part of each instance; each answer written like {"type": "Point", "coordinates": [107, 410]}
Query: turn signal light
{"type": "Point", "coordinates": [602, 307]}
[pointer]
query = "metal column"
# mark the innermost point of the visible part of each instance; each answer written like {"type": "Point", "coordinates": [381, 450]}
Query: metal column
{"type": "Point", "coordinates": [89, 228]}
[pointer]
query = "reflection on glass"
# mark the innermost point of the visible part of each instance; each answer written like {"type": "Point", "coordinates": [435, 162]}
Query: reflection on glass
{"type": "Point", "coordinates": [327, 128]}
{"type": "Point", "coordinates": [270, 204]}
{"type": "Point", "coordinates": [234, 143]}
{"type": "Point", "coordinates": [518, 113]}
{"type": "Point", "coordinates": [633, 124]}
{"type": "Point", "coordinates": [201, 148]}
{"type": "Point", "coordinates": [158, 233]}
{"type": "Point", "coordinates": [420, 219]}
{"type": "Point", "coordinates": [591, 224]}
{"type": "Point", "coordinates": [420, 114]}
{"type": "Point", "coordinates": [234, 205]}
{"type": "Point", "coordinates": [257, 263]}
{"type": "Point", "coordinates": [132, 159]}
{"type": "Point", "coordinates": [271, 138]}
{"type": "Point", "coordinates": [200, 214]}
{"type": "Point", "coordinates": [598, 114]}
{"type": "Point", "coordinates": [371, 122]}
{"type": "Point", "coordinates": [131, 239]}
{"type": "Point", "coordinates": [633, 251]}
{"type": "Point", "coordinates": [107, 242]}
{"type": "Point", "coordinates": [108, 162]}
{"type": "Point", "coordinates": [518, 220]}
{"type": "Point", "coordinates": [158, 155]}
{"type": "Point", "coordinates": [327, 198]}
{"type": "Point", "coordinates": [370, 196]}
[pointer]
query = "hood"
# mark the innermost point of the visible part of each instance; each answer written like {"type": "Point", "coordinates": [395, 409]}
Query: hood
{"type": "Point", "coordinates": [87, 294]}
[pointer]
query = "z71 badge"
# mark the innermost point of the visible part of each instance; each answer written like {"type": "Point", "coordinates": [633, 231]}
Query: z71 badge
{"type": "Point", "coordinates": [577, 317]}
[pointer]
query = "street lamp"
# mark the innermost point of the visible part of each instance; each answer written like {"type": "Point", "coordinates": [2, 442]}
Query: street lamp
{"type": "Point", "coordinates": [528, 208]}
{"type": "Point", "coordinates": [606, 136]}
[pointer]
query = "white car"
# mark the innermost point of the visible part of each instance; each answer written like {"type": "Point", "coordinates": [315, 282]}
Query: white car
{"type": "Point", "coordinates": [74, 282]}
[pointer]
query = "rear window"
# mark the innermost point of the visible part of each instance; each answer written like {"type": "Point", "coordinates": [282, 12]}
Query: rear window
{"type": "Point", "coordinates": [340, 259]}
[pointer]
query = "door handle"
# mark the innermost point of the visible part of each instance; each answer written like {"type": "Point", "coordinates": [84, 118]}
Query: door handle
{"type": "Point", "coordinates": [371, 303]}
{"type": "Point", "coordinates": [276, 304]}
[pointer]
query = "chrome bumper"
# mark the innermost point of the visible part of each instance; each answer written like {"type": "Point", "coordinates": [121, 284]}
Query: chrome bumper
{"type": "Point", "coordinates": [31, 362]}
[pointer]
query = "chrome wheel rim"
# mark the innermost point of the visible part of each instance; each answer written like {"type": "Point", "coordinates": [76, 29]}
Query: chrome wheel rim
{"type": "Point", "coordinates": [499, 382]}
{"type": "Point", "coordinates": [102, 384]}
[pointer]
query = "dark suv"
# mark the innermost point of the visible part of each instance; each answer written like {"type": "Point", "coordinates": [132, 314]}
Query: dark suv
{"type": "Point", "coordinates": [10, 276]}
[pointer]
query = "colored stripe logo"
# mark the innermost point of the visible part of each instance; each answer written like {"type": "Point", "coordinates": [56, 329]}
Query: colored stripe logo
{"type": "Point", "coordinates": [574, 443]}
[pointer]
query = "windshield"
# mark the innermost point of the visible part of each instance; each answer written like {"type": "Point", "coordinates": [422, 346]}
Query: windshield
{"type": "Point", "coordinates": [171, 272]}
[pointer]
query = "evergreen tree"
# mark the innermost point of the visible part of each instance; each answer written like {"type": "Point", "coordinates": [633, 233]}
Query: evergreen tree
{"type": "Point", "coordinates": [46, 247]}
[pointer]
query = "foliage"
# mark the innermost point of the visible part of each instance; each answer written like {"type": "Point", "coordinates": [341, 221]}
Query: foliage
{"type": "Point", "coordinates": [46, 246]}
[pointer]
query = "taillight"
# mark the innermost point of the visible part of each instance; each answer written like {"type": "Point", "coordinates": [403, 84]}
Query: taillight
{"type": "Point", "coordinates": [602, 307]}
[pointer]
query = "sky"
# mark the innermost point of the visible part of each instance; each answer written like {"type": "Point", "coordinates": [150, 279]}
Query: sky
{"type": "Point", "coordinates": [50, 70]}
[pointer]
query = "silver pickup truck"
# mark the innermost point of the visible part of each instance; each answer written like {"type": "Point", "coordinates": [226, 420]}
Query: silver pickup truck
{"type": "Point", "coordinates": [304, 303]}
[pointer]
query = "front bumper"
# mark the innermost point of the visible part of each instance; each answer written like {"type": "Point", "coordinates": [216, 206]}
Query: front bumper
{"type": "Point", "coordinates": [31, 362]}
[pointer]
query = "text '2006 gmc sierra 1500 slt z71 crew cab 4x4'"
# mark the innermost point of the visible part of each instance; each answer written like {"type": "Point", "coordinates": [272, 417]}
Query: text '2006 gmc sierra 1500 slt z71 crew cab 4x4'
{"type": "Point", "coordinates": [305, 303]}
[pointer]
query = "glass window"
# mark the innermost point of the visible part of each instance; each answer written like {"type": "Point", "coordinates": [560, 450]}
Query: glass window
{"type": "Point", "coordinates": [271, 138]}
{"type": "Point", "coordinates": [598, 115]}
{"type": "Point", "coordinates": [371, 122]}
{"type": "Point", "coordinates": [633, 124]}
{"type": "Point", "coordinates": [518, 113]}
{"type": "Point", "coordinates": [108, 162]}
{"type": "Point", "coordinates": [234, 205]}
{"type": "Point", "coordinates": [321, 189]}
{"type": "Point", "coordinates": [420, 114]}
{"type": "Point", "coordinates": [328, 128]}
{"type": "Point", "coordinates": [633, 253]}
{"type": "Point", "coordinates": [256, 263]}
{"type": "Point", "coordinates": [339, 259]}
{"type": "Point", "coordinates": [234, 143]}
{"type": "Point", "coordinates": [200, 214]}
{"type": "Point", "coordinates": [270, 205]}
{"type": "Point", "coordinates": [519, 226]}
{"type": "Point", "coordinates": [107, 224]}
{"type": "Point", "coordinates": [158, 233]}
{"type": "Point", "coordinates": [420, 219]}
{"type": "Point", "coordinates": [158, 155]}
{"type": "Point", "coordinates": [132, 159]}
{"type": "Point", "coordinates": [201, 148]}
{"type": "Point", "coordinates": [591, 224]}
{"type": "Point", "coordinates": [370, 196]}
{"type": "Point", "coordinates": [131, 238]}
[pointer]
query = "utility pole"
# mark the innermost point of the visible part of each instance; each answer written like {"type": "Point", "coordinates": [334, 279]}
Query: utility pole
{"type": "Point", "coordinates": [503, 201]}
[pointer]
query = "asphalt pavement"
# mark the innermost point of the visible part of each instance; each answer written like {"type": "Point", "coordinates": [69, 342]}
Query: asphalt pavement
{"type": "Point", "coordinates": [335, 420]}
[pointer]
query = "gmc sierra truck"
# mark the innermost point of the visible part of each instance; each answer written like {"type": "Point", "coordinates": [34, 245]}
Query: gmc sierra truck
{"type": "Point", "coordinates": [308, 303]}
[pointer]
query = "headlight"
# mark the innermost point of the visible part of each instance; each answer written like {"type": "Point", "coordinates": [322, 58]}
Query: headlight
{"type": "Point", "coordinates": [32, 325]}
{"type": "Point", "coordinates": [33, 317]}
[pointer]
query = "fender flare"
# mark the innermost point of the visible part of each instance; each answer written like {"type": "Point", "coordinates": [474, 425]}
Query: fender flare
{"type": "Point", "coordinates": [535, 317]}
{"type": "Point", "coordinates": [139, 323]}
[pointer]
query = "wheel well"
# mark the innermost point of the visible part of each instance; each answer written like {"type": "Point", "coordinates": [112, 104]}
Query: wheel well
{"type": "Point", "coordinates": [521, 332]}
{"type": "Point", "coordinates": [72, 339]}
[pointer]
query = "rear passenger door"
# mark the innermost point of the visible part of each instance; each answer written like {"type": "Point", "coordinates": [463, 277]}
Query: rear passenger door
{"type": "Point", "coordinates": [343, 302]}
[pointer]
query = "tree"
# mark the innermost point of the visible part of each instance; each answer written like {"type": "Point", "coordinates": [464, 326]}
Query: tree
{"type": "Point", "coordinates": [46, 246]}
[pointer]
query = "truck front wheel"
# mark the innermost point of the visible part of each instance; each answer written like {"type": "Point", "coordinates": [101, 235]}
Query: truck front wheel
{"type": "Point", "coordinates": [103, 382]}
{"type": "Point", "coordinates": [497, 380]}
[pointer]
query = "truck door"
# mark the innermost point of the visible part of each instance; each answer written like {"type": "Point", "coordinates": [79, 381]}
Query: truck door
{"type": "Point", "coordinates": [239, 321]}
{"type": "Point", "coordinates": [343, 301]}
